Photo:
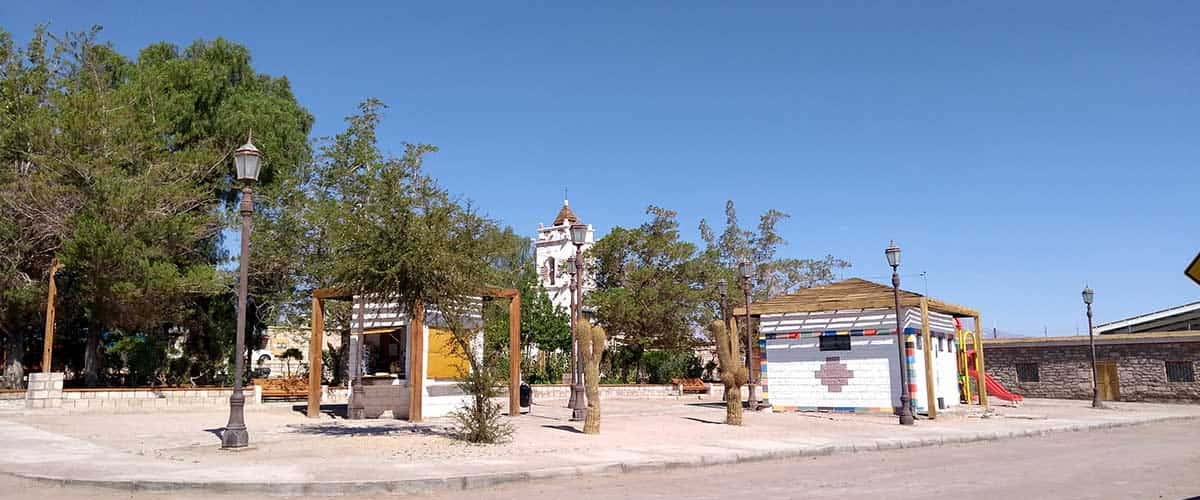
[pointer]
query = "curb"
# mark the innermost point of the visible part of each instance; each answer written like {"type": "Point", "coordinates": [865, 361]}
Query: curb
{"type": "Point", "coordinates": [476, 481]}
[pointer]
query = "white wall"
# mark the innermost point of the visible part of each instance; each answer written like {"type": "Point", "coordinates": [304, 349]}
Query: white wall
{"type": "Point", "coordinates": [792, 366]}
{"type": "Point", "coordinates": [945, 375]}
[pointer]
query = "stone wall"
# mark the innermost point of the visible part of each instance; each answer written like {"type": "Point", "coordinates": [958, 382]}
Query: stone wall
{"type": "Point", "coordinates": [1065, 371]}
{"type": "Point", "coordinates": [46, 391]}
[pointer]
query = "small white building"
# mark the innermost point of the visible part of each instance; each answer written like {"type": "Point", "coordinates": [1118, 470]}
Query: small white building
{"type": "Point", "coordinates": [552, 248]}
{"type": "Point", "coordinates": [833, 348]}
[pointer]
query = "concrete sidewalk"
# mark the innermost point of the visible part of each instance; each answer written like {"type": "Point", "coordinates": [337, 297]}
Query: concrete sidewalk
{"type": "Point", "coordinates": [293, 455]}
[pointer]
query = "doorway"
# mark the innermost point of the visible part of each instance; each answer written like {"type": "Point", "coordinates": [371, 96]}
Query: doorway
{"type": "Point", "coordinates": [1107, 381]}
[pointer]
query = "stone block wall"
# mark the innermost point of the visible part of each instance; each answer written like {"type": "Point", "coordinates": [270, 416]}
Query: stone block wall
{"type": "Point", "coordinates": [12, 400]}
{"type": "Point", "coordinates": [1066, 371]}
{"type": "Point", "coordinates": [45, 390]}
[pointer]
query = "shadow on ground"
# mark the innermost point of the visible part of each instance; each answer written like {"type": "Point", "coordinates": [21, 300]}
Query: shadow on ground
{"type": "Point", "coordinates": [567, 428]}
{"type": "Point", "coordinates": [336, 411]}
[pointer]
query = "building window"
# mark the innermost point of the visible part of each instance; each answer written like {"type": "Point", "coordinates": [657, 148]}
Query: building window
{"type": "Point", "coordinates": [553, 270]}
{"type": "Point", "coordinates": [835, 342]}
{"type": "Point", "coordinates": [1181, 371]}
{"type": "Point", "coordinates": [1027, 372]}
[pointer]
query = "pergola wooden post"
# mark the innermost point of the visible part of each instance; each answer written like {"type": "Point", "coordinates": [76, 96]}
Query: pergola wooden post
{"type": "Point", "coordinates": [315, 358]}
{"type": "Point", "coordinates": [51, 295]}
{"type": "Point", "coordinates": [980, 375]}
{"type": "Point", "coordinates": [930, 397]}
{"type": "Point", "coordinates": [514, 356]}
{"type": "Point", "coordinates": [416, 369]}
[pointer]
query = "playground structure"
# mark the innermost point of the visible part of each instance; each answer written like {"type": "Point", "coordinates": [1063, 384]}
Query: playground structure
{"type": "Point", "coordinates": [967, 371]}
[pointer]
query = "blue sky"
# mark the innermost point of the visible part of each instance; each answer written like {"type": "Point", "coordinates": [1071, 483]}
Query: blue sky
{"type": "Point", "coordinates": [1014, 150]}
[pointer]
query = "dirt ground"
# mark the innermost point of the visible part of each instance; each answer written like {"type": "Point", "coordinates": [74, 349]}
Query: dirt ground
{"type": "Point", "coordinates": [1149, 461]}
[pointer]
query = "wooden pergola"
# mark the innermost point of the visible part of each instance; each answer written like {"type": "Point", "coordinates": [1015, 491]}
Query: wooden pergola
{"type": "Point", "coordinates": [856, 293]}
{"type": "Point", "coordinates": [416, 344]}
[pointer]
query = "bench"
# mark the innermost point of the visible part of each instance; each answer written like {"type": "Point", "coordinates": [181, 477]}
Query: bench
{"type": "Point", "coordinates": [691, 385]}
{"type": "Point", "coordinates": [283, 388]}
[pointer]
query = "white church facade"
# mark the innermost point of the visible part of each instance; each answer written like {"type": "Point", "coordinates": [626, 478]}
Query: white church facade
{"type": "Point", "coordinates": [552, 248]}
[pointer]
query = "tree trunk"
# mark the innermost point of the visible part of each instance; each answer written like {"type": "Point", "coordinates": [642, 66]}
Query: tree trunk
{"type": "Point", "coordinates": [91, 358]}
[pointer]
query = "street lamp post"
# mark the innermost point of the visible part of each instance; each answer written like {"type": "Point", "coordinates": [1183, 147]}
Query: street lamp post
{"type": "Point", "coordinates": [247, 159]}
{"type": "Point", "coordinates": [906, 415]}
{"type": "Point", "coordinates": [723, 289]}
{"type": "Point", "coordinates": [578, 396]}
{"type": "Point", "coordinates": [1088, 296]}
{"type": "Point", "coordinates": [745, 269]}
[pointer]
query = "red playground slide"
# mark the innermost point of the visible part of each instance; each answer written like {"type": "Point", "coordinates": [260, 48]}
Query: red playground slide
{"type": "Point", "coordinates": [995, 389]}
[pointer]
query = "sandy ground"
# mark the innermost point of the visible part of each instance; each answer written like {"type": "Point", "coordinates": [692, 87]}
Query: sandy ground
{"type": "Point", "coordinates": [280, 433]}
{"type": "Point", "coordinates": [1149, 461]}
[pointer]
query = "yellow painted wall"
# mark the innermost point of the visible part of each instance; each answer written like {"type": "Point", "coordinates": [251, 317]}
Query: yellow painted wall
{"type": "Point", "coordinates": [444, 363]}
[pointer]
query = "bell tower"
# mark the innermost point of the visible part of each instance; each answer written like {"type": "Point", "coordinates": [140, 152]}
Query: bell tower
{"type": "Point", "coordinates": [552, 248]}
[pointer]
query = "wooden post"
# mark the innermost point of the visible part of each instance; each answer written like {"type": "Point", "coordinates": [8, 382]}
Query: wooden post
{"type": "Point", "coordinates": [48, 342]}
{"type": "Point", "coordinates": [514, 355]}
{"type": "Point", "coordinates": [930, 396]}
{"type": "Point", "coordinates": [980, 375]}
{"type": "Point", "coordinates": [315, 360]}
{"type": "Point", "coordinates": [416, 371]}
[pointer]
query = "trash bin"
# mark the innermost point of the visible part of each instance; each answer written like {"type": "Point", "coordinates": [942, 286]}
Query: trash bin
{"type": "Point", "coordinates": [526, 396]}
{"type": "Point", "coordinates": [941, 403]}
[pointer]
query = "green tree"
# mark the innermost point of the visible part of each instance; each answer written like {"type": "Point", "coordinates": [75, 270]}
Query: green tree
{"type": "Point", "coordinates": [396, 235]}
{"type": "Point", "coordinates": [120, 169]}
{"type": "Point", "coordinates": [649, 287]}
{"type": "Point", "coordinates": [288, 356]}
{"type": "Point", "coordinates": [772, 275]}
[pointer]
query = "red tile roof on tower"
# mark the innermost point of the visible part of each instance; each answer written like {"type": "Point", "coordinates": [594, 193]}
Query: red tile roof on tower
{"type": "Point", "coordinates": [565, 215]}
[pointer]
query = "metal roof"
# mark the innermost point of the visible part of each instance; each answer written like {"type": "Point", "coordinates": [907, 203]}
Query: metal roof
{"type": "Point", "coordinates": [1156, 320]}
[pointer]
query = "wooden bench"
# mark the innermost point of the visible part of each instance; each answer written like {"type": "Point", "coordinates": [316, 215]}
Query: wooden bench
{"type": "Point", "coordinates": [283, 388]}
{"type": "Point", "coordinates": [691, 385]}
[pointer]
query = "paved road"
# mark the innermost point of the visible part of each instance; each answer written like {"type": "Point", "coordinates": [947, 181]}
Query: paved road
{"type": "Point", "coordinates": [1151, 461]}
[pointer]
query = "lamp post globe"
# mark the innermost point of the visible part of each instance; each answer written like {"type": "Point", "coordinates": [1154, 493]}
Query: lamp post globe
{"type": "Point", "coordinates": [1088, 296]}
{"type": "Point", "coordinates": [247, 159]}
{"type": "Point", "coordinates": [893, 258]}
{"type": "Point", "coordinates": [893, 254]}
{"type": "Point", "coordinates": [579, 234]}
{"type": "Point", "coordinates": [248, 162]}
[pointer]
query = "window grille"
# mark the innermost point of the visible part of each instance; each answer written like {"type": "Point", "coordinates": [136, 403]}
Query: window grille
{"type": "Point", "coordinates": [1181, 371]}
{"type": "Point", "coordinates": [1027, 372]}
